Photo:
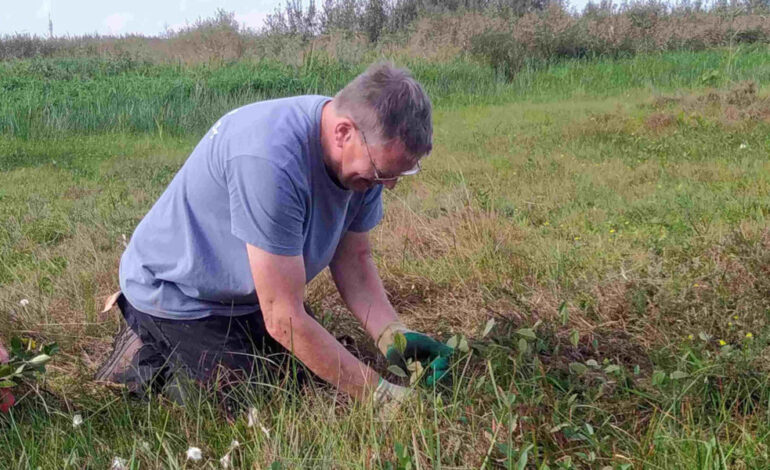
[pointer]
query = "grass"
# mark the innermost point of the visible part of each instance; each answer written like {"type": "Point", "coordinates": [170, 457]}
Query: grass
{"type": "Point", "coordinates": [613, 226]}
{"type": "Point", "coordinates": [45, 98]}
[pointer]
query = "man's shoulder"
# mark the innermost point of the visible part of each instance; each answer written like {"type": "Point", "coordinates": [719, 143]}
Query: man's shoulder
{"type": "Point", "coordinates": [296, 111]}
{"type": "Point", "coordinates": [280, 137]}
{"type": "Point", "coordinates": [270, 129]}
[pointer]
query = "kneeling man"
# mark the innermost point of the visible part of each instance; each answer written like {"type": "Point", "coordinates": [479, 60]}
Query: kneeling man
{"type": "Point", "coordinates": [275, 192]}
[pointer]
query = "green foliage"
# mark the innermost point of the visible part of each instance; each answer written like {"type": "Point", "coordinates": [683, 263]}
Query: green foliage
{"type": "Point", "coordinates": [26, 360]}
{"type": "Point", "coordinates": [53, 97]}
{"type": "Point", "coordinates": [506, 55]}
{"type": "Point", "coordinates": [399, 341]}
{"type": "Point", "coordinates": [43, 98]}
{"type": "Point", "coordinates": [751, 36]}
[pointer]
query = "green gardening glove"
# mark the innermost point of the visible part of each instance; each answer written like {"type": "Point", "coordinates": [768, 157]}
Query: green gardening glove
{"type": "Point", "coordinates": [433, 355]}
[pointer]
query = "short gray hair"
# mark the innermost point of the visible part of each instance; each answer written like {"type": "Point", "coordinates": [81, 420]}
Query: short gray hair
{"type": "Point", "coordinates": [387, 104]}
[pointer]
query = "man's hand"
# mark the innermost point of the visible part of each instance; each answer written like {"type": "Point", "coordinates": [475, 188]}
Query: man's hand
{"type": "Point", "coordinates": [432, 354]}
{"type": "Point", "coordinates": [6, 397]}
{"type": "Point", "coordinates": [359, 283]}
{"type": "Point", "coordinates": [388, 398]}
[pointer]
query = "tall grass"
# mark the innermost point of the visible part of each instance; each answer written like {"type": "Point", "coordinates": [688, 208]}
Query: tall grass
{"type": "Point", "coordinates": [54, 97]}
{"type": "Point", "coordinates": [50, 97]}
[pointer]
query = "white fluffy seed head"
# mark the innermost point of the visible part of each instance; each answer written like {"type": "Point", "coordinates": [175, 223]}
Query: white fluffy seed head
{"type": "Point", "coordinates": [194, 454]}
{"type": "Point", "coordinates": [252, 418]}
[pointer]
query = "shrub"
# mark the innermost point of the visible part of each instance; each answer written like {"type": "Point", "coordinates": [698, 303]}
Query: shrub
{"type": "Point", "coordinates": [217, 38]}
{"type": "Point", "coordinates": [501, 51]}
{"type": "Point", "coordinates": [21, 46]}
{"type": "Point", "coordinates": [751, 36]}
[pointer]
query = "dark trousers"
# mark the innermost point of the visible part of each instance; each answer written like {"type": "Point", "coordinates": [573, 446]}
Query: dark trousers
{"type": "Point", "coordinates": [215, 350]}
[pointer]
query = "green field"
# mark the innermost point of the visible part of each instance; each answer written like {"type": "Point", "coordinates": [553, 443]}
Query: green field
{"type": "Point", "coordinates": [610, 216]}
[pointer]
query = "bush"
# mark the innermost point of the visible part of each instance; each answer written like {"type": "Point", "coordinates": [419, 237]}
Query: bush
{"type": "Point", "coordinates": [214, 38]}
{"type": "Point", "coordinates": [751, 36]}
{"type": "Point", "coordinates": [501, 51]}
{"type": "Point", "coordinates": [22, 46]}
{"type": "Point", "coordinates": [559, 34]}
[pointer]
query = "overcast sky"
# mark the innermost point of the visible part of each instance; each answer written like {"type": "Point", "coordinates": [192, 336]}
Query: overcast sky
{"type": "Point", "coordinates": [148, 17]}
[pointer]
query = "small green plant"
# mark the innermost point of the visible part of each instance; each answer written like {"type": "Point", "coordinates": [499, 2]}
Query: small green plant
{"type": "Point", "coordinates": [710, 77]}
{"type": "Point", "coordinates": [26, 361]}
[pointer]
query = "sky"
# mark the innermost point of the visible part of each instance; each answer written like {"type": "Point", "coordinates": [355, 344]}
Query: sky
{"type": "Point", "coordinates": [117, 17]}
{"type": "Point", "coordinates": [147, 17]}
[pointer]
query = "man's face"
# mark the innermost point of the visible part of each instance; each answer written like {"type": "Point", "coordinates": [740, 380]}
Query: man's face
{"type": "Point", "coordinates": [363, 166]}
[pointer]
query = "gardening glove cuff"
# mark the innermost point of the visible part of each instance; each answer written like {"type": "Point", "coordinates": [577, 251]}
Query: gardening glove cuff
{"type": "Point", "coordinates": [387, 335]}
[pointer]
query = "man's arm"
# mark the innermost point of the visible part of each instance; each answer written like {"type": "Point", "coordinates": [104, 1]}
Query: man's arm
{"type": "Point", "coordinates": [359, 283]}
{"type": "Point", "coordinates": [280, 284]}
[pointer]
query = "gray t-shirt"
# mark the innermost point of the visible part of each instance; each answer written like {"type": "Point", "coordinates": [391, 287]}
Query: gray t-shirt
{"type": "Point", "coordinates": [256, 177]}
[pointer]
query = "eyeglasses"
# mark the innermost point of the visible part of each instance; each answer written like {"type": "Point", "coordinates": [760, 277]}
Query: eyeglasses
{"type": "Point", "coordinates": [380, 179]}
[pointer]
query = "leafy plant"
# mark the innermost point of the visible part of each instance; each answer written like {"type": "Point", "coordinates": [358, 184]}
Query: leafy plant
{"type": "Point", "coordinates": [26, 361]}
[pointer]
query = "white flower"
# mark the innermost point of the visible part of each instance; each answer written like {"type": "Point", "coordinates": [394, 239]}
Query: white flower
{"type": "Point", "coordinates": [77, 420]}
{"type": "Point", "coordinates": [225, 460]}
{"type": "Point", "coordinates": [743, 146]}
{"type": "Point", "coordinates": [194, 454]}
{"type": "Point", "coordinates": [252, 417]}
{"type": "Point", "coordinates": [118, 464]}
{"type": "Point", "coordinates": [254, 420]}
{"type": "Point", "coordinates": [145, 446]}
{"type": "Point", "coordinates": [23, 302]}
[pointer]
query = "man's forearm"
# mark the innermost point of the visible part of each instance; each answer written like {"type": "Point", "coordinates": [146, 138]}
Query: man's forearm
{"type": "Point", "coordinates": [360, 286]}
{"type": "Point", "coordinates": [320, 351]}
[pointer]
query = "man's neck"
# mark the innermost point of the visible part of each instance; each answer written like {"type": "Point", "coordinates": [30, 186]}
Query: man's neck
{"type": "Point", "coordinates": [328, 120]}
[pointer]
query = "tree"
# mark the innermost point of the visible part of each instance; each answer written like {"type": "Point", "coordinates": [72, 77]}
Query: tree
{"type": "Point", "coordinates": [375, 18]}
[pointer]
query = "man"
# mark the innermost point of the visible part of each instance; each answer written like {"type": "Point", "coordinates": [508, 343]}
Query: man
{"type": "Point", "coordinates": [275, 192]}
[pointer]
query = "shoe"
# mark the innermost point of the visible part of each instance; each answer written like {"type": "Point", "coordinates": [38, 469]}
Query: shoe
{"type": "Point", "coordinates": [120, 365]}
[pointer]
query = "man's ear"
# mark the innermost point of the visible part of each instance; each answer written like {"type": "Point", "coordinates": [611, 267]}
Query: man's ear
{"type": "Point", "coordinates": [343, 131]}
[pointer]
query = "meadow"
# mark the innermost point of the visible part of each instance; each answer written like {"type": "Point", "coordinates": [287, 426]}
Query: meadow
{"type": "Point", "coordinates": [595, 230]}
